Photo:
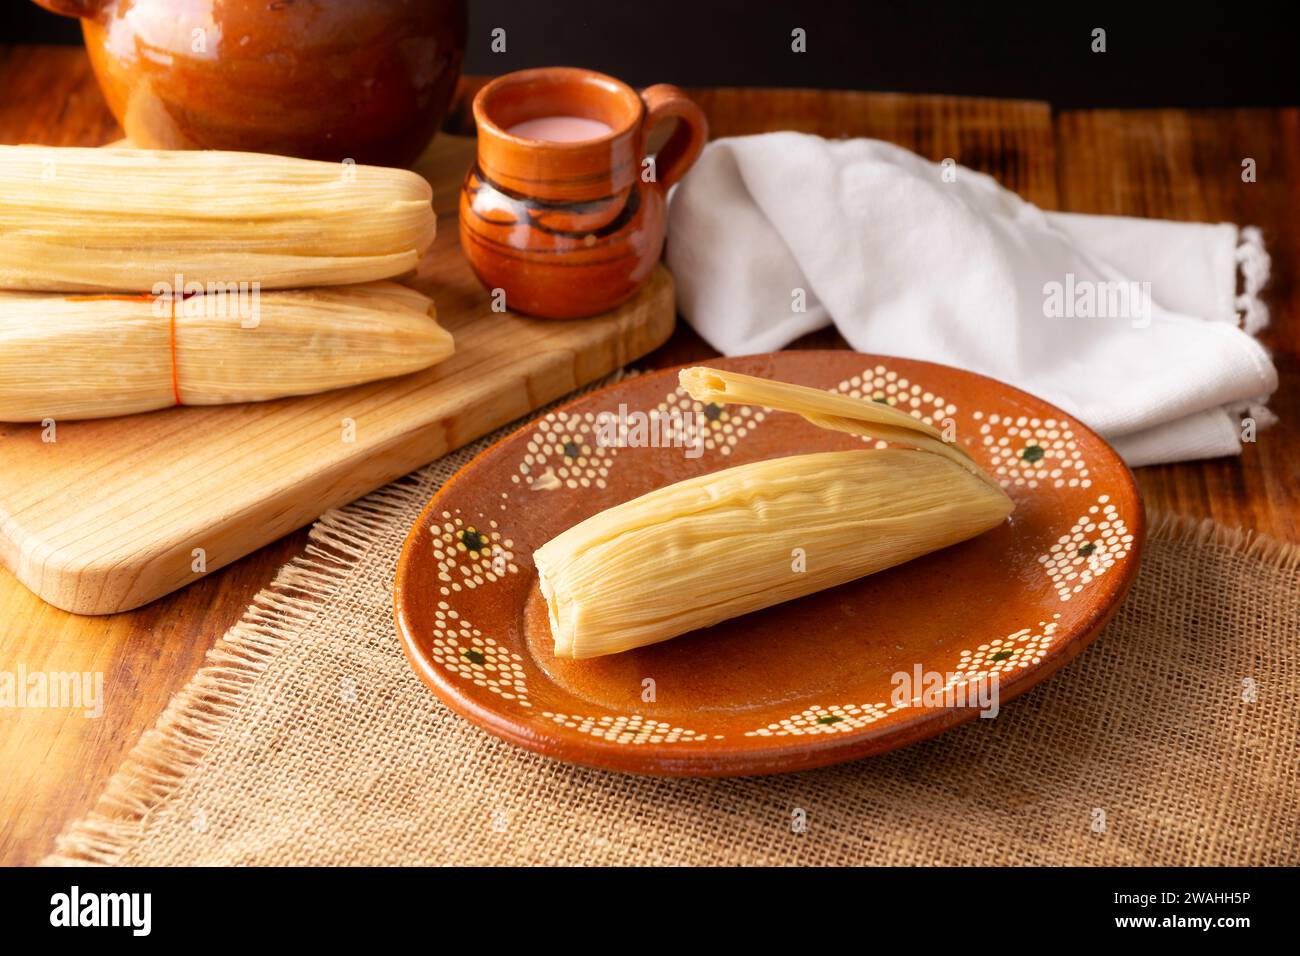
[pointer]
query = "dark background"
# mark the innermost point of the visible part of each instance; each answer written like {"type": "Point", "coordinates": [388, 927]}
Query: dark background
{"type": "Point", "coordinates": [1228, 54]}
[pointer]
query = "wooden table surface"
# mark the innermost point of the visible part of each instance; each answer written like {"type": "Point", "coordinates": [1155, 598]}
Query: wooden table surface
{"type": "Point", "coordinates": [1176, 164]}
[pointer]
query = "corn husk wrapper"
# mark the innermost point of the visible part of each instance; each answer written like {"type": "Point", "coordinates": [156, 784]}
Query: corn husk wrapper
{"type": "Point", "coordinates": [713, 547]}
{"type": "Point", "coordinates": [123, 220]}
{"type": "Point", "coordinates": [74, 356]}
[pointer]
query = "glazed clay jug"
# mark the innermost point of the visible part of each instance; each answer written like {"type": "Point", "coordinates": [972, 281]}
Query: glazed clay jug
{"type": "Point", "coordinates": [368, 80]}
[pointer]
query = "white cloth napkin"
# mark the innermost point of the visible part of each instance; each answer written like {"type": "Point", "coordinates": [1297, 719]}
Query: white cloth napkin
{"type": "Point", "coordinates": [918, 260]}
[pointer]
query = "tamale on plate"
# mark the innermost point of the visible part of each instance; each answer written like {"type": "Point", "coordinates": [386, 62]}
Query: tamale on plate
{"type": "Point", "coordinates": [719, 545]}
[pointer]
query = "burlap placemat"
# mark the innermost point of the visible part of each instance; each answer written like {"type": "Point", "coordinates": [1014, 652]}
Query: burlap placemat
{"type": "Point", "coordinates": [308, 740]}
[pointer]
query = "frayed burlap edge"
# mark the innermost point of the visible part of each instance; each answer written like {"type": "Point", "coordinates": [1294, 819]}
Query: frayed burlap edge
{"type": "Point", "coordinates": [1180, 529]}
{"type": "Point", "coordinates": [199, 713]}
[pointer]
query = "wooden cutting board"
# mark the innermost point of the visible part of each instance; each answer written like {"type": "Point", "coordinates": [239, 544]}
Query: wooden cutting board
{"type": "Point", "coordinates": [114, 513]}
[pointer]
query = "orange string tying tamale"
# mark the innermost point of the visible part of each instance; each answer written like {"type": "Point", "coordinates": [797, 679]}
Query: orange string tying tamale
{"type": "Point", "coordinates": [171, 327]}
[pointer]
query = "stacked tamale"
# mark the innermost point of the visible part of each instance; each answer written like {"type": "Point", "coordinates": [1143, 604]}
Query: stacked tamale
{"type": "Point", "coordinates": [139, 279]}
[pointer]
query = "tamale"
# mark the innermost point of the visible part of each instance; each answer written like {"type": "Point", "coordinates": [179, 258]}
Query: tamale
{"type": "Point", "coordinates": [92, 356]}
{"type": "Point", "coordinates": [716, 546]}
{"type": "Point", "coordinates": [123, 220]}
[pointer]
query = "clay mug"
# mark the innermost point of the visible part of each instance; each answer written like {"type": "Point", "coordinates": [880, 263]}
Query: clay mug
{"type": "Point", "coordinates": [368, 80]}
{"type": "Point", "coordinates": [566, 226]}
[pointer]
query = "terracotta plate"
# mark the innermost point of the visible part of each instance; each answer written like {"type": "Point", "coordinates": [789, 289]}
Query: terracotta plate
{"type": "Point", "coordinates": [803, 684]}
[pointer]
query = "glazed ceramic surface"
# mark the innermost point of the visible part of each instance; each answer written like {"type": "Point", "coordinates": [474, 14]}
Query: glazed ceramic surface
{"type": "Point", "coordinates": [570, 229]}
{"type": "Point", "coordinates": [368, 80]}
{"type": "Point", "coordinates": [802, 684]}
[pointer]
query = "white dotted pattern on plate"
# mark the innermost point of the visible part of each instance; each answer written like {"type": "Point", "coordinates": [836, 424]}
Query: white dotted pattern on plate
{"type": "Point", "coordinates": [565, 451]}
{"type": "Point", "coordinates": [835, 719]}
{"type": "Point", "coordinates": [1097, 541]}
{"type": "Point", "coordinates": [1030, 451]}
{"type": "Point", "coordinates": [1022, 648]}
{"type": "Point", "coordinates": [463, 650]}
{"type": "Point", "coordinates": [628, 729]}
{"type": "Point", "coordinates": [468, 555]}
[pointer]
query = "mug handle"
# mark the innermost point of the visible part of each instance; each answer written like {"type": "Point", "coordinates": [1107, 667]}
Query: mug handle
{"type": "Point", "coordinates": [72, 8]}
{"type": "Point", "coordinates": [665, 101]}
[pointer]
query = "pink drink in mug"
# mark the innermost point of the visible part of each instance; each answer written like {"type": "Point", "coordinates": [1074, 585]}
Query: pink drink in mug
{"type": "Point", "coordinates": [560, 129]}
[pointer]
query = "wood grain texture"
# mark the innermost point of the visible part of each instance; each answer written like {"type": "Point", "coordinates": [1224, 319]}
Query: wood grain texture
{"type": "Point", "coordinates": [54, 763]}
{"type": "Point", "coordinates": [109, 515]}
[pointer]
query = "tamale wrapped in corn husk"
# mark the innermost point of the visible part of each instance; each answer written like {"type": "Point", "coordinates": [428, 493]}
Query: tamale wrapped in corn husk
{"type": "Point", "coordinates": [122, 220]}
{"type": "Point", "coordinates": [92, 356]}
{"type": "Point", "coordinates": [713, 547]}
